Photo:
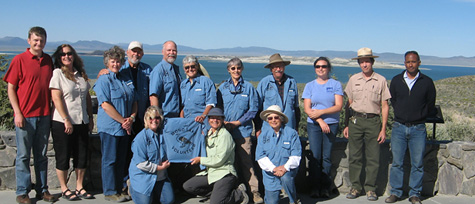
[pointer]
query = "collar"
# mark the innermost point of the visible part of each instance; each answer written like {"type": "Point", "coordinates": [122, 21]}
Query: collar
{"type": "Point", "coordinates": [372, 77]}
{"type": "Point", "coordinates": [407, 77]}
{"type": "Point", "coordinates": [32, 56]}
{"type": "Point", "coordinates": [284, 78]}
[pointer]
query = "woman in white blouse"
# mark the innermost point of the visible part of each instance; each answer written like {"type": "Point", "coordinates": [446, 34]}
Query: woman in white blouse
{"type": "Point", "coordinates": [72, 118]}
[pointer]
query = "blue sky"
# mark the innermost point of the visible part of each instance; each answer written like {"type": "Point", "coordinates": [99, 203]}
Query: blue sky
{"type": "Point", "coordinates": [441, 28]}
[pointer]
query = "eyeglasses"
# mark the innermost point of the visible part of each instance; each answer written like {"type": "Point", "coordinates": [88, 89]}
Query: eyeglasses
{"type": "Point", "coordinates": [234, 68]}
{"type": "Point", "coordinates": [67, 53]}
{"type": "Point", "coordinates": [321, 66]}
{"type": "Point", "coordinates": [275, 118]}
{"type": "Point", "coordinates": [155, 118]}
{"type": "Point", "coordinates": [191, 66]}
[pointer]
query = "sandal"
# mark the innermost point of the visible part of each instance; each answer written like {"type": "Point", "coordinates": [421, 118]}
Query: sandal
{"type": "Point", "coordinates": [84, 195]}
{"type": "Point", "coordinates": [71, 196]}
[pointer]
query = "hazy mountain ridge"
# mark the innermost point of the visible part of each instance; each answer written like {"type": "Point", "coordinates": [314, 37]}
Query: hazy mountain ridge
{"type": "Point", "coordinates": [88, 46]}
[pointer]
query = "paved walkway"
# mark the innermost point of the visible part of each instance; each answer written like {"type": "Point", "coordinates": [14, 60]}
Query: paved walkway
{"type": "Point", "coordinates": [7, 197]}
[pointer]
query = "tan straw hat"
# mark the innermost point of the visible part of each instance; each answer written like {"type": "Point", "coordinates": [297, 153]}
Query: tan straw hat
{"type": "Point", "coordinates": [273, 109]}
{"type": "Point", "coordinates": [275, 58]}
{"type": "Point", "coordinates": [365, 52]}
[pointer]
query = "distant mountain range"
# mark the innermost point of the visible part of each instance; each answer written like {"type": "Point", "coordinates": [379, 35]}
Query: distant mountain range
{"type": "Point", "coordinates": [87, 47]}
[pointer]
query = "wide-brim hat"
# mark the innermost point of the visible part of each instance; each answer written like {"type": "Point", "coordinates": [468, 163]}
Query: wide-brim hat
{"type": "Point", "coordinates": [216, 112]}
{"type": "Point", "coordinates": [273, 109]}
{"type": "Point", "coordinates": [135, 44]}
{"type": "Point", "coordinates": [275, 58]}
{"type": "Point", "coordinates": [365, 52]}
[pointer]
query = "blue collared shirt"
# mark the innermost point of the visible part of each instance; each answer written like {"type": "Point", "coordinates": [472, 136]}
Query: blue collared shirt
{"type": "Point", "coordinates": [197, 95]}
{"type": "Point", "coordinates": [165, 85]}
{"type": "Point", "coordinates": [410, 82]}
{"type": "Point", "coordinates": [278, 149]}
{"type": "Point", "coordinates": [240, 103]}
{"type": "Point", "coordinates": [147, 146]}
{"type": "Point", "coordinates": [269, 95]}
{"type": "Point", "coordinates": [119, 91]}
{"type": "Point", "coordinates": [143, 81]}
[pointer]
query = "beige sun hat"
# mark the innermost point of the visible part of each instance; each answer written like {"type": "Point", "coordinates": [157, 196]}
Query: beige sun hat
{"type": "Point", "coordinates": [273, 109]}
{"type": "Point", "coordinates": [365, 52]}
{"type": "Point", "coordinates": [275, 58]}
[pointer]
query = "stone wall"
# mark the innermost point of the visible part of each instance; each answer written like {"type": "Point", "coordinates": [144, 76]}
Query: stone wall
{"type": "Point", "coordinates": [449, 167]}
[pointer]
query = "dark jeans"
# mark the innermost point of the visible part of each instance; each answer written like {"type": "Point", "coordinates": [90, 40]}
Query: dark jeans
{"type": "Point", "coordinates": [113, 149]}
{"type": "Point", "coordinates": [222, 191]}
{"type": "Point", "coordinates": [321, 147]}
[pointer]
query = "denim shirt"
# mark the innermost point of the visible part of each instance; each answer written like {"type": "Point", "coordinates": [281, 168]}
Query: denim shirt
{"type": "Point", "coordinates": [143, 81]}
{"type": "Point", "coordinates": [278, 150]}
{"type": "Point", "coordinates": [197, 95]}
{"type": "Point", "coordinates": [119, 91]}
{"type": "Point", "coordinates": [150, 147]}
{"type": "Point", "coordinates": [240, 103]}
{"type": "Point", "coordinates": [165, 84]}
{"type": "Point", "coordinates": [269, 95]}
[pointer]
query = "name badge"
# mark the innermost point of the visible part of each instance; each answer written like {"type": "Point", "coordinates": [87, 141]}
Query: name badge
{"type": "Point", "coordinates": [291, 90]}
{"type": "Point", "coordinates": [128, 84]}
{"type": "Point", "coordinates": [244, 95]}
{"type": "Point", "coordinates": [197, 89]}
{"type": "Point", "coordinates": [286, 143]}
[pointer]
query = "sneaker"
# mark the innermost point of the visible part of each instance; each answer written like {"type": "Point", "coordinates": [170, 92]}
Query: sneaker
{"type": "Point", "coordinates": [257, 198]}
{"type": "Point", "coordinates": [353, 194]}
{"type": "Point", "coordinates": [114, 198]}
{"type": "Point", "coordinates": [245, 197]}
{"type": "Point", "coordinates": [23, 199]}
{"type": "Point", "coordinates": [315, 193]}
{"type": "Point", "coordinates": [46, 196]}
{"type": "Point", "coordinates": [392, 199]}
{"type": "Point", "coordinates": [126, 195]}
{"type": "Point", "coordinates": [371, 196]}
{"type": "Point", "coordinates": [415, 200]}
{"type": "Point", "coordinates": [324, 193]}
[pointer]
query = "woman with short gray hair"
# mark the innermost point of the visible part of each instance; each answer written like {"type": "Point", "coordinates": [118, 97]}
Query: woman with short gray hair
{"type": "Point", "coordinates": [117, 110]}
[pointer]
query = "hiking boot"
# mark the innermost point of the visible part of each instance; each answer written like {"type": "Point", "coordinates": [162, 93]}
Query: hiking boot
{"type": "Point", "coordinates": [245, 197]}
{"type": "Point", "coordinates": [371, 196]}
{"type": "Point", "coordinates": [353, 194]}
{"type": "Point", "coordinates": [114, 198]}
{"type": "Point", "coordinates": [257, 198]}
{"type": "Point", "coordinates": [46, 196]}
{"type": "Point", "coordinates": [23, 199]}
{"type": "Point", "coordinates": [392, 199]}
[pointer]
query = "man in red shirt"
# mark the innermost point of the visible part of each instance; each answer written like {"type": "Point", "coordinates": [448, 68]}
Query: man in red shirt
{"type": "Point", "coordinates": [28, 90]}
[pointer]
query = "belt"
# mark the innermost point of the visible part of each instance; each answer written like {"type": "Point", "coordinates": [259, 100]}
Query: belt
{"type": "Point", "coordinates": [364, 115]}
{"type": "Point", "coordinates": [410, 124]}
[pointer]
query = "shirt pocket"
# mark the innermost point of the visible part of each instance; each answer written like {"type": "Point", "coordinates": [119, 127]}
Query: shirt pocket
{"type": "Point", "coordinates": [376, 93]}
{"type": "Point", "coordinates": [357, 93]}
{"type": "Point", "coordinates": [243, 101]}
{"type": "Point", "coordinates": [117, 93]}
{"type": "Point", "coordinates": [291, 96]}
{"type": "Point", "coordinates": [199, 97]}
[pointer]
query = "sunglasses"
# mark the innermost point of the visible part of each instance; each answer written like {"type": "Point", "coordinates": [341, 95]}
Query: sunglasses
{"type": "Point", "coordinates": [192, 67]}
{"type": "Point", "coordinates": [155, 118]}
{"type": "Point", "coordinates": [67, 53]}
{"type": "Point", "coordinates": [321, 66]}
{"type": "Point", "coordinates": [234, 68]}
{"type": "Point", "coordinates": [275, 118]}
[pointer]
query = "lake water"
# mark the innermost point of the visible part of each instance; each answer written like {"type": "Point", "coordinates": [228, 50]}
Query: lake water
{"type": "Point", "coordinates": [302, 73]}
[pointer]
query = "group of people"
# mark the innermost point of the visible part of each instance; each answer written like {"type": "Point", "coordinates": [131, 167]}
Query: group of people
{"type": "Point", "coordinates": [135, 101]}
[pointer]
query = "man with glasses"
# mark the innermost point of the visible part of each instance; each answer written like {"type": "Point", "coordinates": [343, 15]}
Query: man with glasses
{"type": "Point", "coordinates": [165, 82]}
{"type": "Point", "coordinates": [413, 99]}
{"type": "Point", "coordinates": [279, 89]}
{"type": "Point", "coordinates": [368, 96]}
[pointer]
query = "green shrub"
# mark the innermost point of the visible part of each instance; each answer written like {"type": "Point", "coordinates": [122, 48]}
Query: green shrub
{"type": "Point", "coordinates": [6, 111]}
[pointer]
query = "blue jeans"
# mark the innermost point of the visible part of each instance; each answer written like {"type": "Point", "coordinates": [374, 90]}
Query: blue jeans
{"type": "Point", "coordinates": [321, 147]}
{"type": "Point", "coordinates": [162, 190]}
{"type": "Point", "coordinates": [288, 184]}
{"type": "Point", "coordinates": [114, 152]}
{"type": "Point", "coordinates": [34, 135]}
{"type": "Point", "coordinates": [402, 138]}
